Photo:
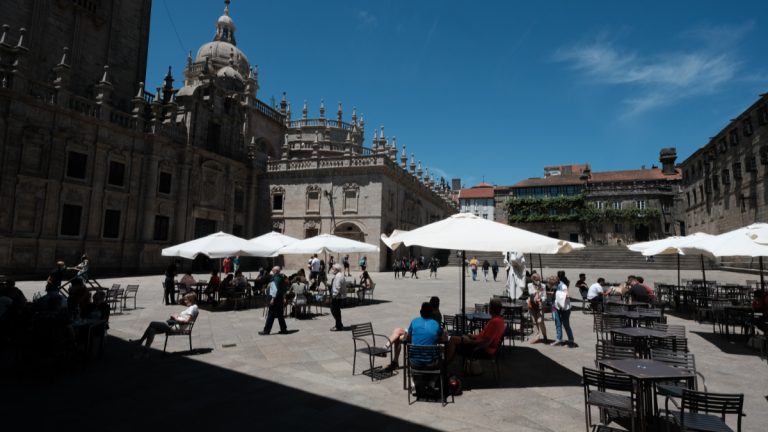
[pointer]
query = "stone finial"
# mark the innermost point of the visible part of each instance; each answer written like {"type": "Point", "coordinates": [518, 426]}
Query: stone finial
{"type": "Point", "coordinates": [189, 59]}
{"type": "Point", "coordinates": [140, 93]}
{"type": "Point", "coordinates": [226, 7]}
{"type": "Point", "coordinates": [283, 104]}
{"type": "Point", "coordinates": [394, 142]}
{"type": "Point", "coordinates": [322, 108]}
{"type": "Point", "coordinates": [20, 44]}
{"type": "Point", "coordinates": [288, 113]}
{"type": "Point", "coordinates": [64, 57]}
{"type": "Point", "coordinates": [362, 121]}
{"type": "Point", "coordinates": [418, 170]}
{"type": "Point", "coordinates": [339, 113]}
{"type": "Point", "coordinates": [403, 158]}
{"type": "Point", "coordinates": [413, 164]}
{"type": "Point", "coordinates": [105, 77]}
{"type": "Point", "coordinates": [4, 36]}
{"type": "Point", "coordinates": [304, 111]}
{"type": "Point", "coordinates": [159, 94]}
{"type": "Point", "coordinates": [354, 115]}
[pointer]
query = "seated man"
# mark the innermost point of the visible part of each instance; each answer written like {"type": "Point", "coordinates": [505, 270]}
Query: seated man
{"type": "Point", "coordinates": [581, 284]}
{"type": "Point", "coordinates": [489, 338]}
{"type": "Point", "coordinates": [186, 283]}
{"type": "Point", "coordinates": [423, 331]}
{"type": "Point", "coordinates": [213, 287]}
{"type": "Point", "coordinates": [436, 314]}
{"type": "Point", "coordinates": [648, 289]}
{"type": "Point", "coordinates": [595, 292]}
{"type": "Point", "coordinates": [637, 291]}
{"type": "Point", "coordinates": [188, 315]}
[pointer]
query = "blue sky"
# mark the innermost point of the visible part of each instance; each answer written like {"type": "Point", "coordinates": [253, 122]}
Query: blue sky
{"type": "Point", "coordinates": [498, 89]}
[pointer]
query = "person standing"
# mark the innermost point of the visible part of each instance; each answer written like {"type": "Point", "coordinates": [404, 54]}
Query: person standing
{"type": "Point", "coordinates": [433, 264]}
{"type": "Point", "coordinates": [396, 267]}
{"type": "Point", "coordinates": [170, 284]}
{"type": "Point", "coordinates": [345, 262]}
{"type": "Point", "coordinates": [84, 268]}
{"type": "Point", "coordinates": [561, 312]}
{"type": "Point", "coordinates": [236, 263]}
{"type": "Point", "coordinates": [227, 265]}
{"type": "Point", "coordinates": [473, 267]}
{"type": "Point", "coordinates": [338, 290]}
{"type": "Point", "coordinates": [495, 270]}
{"type": "Point", "coordinates": [581, 284]}
{"type": "Point", "coordinates": [56, 276]}
{"type": "Point", "coordinates": [486, 267]}
{"type": "Point", "coordinates": [536, 295]}
{"type": "Point", "coordinates": [414, 269]}
{"type": "Point", "coordinates": [363, 263]}
{"type": "Point", "coordinates": [331, 262]}
{"type": "Point", "coordinates": [276, 301]}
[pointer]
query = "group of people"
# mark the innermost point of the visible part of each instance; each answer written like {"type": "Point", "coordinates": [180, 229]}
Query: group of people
{"type": "Point", "coordinates": [485, 266]}
{"type": "Point", "coordinates": [403, 265]}
{"type": "Point", "coordinates": [635, 288]}
{"type": "Point", "coordinates": [538, 293]}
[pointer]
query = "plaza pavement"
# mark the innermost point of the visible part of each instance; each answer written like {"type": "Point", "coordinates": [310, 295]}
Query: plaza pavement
{"type": "Point", "coordinates": [303, 381]}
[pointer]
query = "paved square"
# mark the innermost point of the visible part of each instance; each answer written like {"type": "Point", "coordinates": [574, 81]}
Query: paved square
{"type": "Point", "coordinates": [234, 377]}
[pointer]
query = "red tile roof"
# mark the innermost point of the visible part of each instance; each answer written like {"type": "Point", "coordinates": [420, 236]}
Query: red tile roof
{"type": "Point", "coordinates": [634, 175]}
{"type": "Point", "coordinates": [549, 181]}
{"type": "Point", "coordinates": [476, 192]}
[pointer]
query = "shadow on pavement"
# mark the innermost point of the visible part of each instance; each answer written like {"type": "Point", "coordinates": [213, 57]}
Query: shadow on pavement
{"type": "Point", "coordinates": [539, 371]}
{"type": "Point", "coordinates": [733, 345]}
{"type": "Point", "coordinates": [168, 392]}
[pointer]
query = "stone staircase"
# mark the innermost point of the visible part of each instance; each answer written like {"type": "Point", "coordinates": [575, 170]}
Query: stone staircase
{"type": "Point", "coordinates": [606, 257]}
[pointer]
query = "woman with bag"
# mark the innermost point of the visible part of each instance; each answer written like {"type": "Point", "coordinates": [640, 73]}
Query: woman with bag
{"type": "Point", "coordinates": [561, 312]}
{"type": "Point", "coordinates": [536, 293]}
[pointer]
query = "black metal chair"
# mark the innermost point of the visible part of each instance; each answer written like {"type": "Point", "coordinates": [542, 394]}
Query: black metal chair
{"type": "Point", "coordinates": [612, 393]}
{"type": "Point", "coordinates": [115, 299]}
{"type": "Point", "coordinates": [607, 351]}
{"type": "Point", "coordinates": [425, 372]}
{"type": "Point", "coordinates": [678, 359]}
{"type": "Point", "coordinates": [180, 329]}
{"type": "Point", "coordinates": [695, 407]}
{"type": "Point", "coordinates": [363, 335]}
{"type": "Point", "coordinates": [131, 291]}
{"type": "Point", "coordinates": [480, 354]}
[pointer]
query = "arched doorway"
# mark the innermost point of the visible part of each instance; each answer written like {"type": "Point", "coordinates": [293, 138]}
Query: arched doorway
{"type": "Point", "coordinates": [349, 230]}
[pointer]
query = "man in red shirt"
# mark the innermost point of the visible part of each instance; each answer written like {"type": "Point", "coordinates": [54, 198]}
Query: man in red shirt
{"type": "Point", "coordinates": [489, 338]}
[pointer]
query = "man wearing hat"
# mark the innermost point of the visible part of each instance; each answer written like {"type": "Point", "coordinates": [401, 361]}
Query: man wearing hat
{"type": "Point", "coordinates": [276, 301]}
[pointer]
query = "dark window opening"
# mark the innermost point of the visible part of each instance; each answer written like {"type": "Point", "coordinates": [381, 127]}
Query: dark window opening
{"type": "Point", "coordinates": [277, 202]}
{"type": "Point", "coordinates": [111, 224]}
{"type": "Point", "coordinates": [116, 174]}
{"type": "Point", "coordinates": [239, 200]}
{"type": "Point", "coordinates": [164, 184]}
{"type": "Point", "coordinates": [214, 135]}
{"type": "Point", "coordinates": [77, 164]}
{"type": "Point", "coordinates": [237, 230]}
{"type": "Point", "coordinates": [70, 219]}
{"type": "Point", "coordinates": [162, 223]}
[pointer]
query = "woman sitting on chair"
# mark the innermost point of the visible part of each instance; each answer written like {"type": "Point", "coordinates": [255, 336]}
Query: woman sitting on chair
{"type": "Point", "coordinates": [366, 284]}
{"type": "Point", "coordinates": [186, 316]}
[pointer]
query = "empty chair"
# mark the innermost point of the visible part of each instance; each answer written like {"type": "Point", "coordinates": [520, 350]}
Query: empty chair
{"type": "Point", "coordinates": [706, 411]}
{"type": "Point", "coordinates": [115, 298]}
{"type": "Point", "coordinates": [678, 359]}
{"type": "Point", "coordinates": [130, 293]}
{"type": "Point", "coordinates": [609, 392]}
{"type": "Point", "coordinates": [364, 341]}
{"type": "Point", "coordinates": [455, 325]}
{"type": "Point", "coordinates": [607, 351]}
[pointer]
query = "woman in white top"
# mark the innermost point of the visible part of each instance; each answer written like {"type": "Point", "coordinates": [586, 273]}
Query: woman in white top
{"type": "Point", "coordinates": [536, 294]}
{"type": "Point", "coordinates": [561, 312]}
{"type": "Point", "coordinates": [188, 315]}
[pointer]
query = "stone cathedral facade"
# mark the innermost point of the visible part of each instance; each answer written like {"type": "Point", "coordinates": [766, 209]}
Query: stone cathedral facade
{"type": "Point", "coordinates": [93, 160]}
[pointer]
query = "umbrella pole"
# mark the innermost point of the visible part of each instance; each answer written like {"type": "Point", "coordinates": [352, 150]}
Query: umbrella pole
{"type": "Point", "coordinates": [762, 280]}
{"type": "Point", "coordinates": [703, 273]}
{"type": "Point", "coordinates": [463, 284]}
{"type": "Point", "coordinates": [541, 268]}
{"type": "Point", "coordinates": [678, 270]}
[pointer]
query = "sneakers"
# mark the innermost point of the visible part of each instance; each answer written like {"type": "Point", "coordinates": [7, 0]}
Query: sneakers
{"type": "Point", "coordinates": [556, 343]}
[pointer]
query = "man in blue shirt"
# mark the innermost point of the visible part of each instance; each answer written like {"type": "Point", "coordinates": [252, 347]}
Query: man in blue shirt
{"type": "Point", "coordinates": [423, 330]}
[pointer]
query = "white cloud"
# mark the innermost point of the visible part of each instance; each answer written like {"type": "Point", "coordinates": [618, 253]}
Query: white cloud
{"type": "Point", "coordinates": [660, 79]}
{"type": "Point", "coordinates": [367, 19]}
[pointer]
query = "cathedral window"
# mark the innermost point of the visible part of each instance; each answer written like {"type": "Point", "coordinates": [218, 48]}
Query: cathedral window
{"type": "Point", "coordinates": [71, 216]}
{"type": "Point", "coordinates": [161, 228]}
{"type": "Point", "coordinates": [164, 184]}
{"type": "Point", "coordinates": [116, 175]}
{"type": "Point", "coordinates": [239, 200]}
{"type": "Point", "coordinates": [351, 193]}
{"type": "Point", "coordinates": [77, 164]}
{"type": "Point", "coordinates": [313, 199]}
{"type": "Point", "coordinates": [111, 226]}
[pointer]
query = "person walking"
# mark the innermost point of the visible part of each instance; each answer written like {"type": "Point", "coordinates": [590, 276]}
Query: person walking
{"type": "Point", "coordinates": [561, 312]}
{"type": "Point", "coordinates": [276, 301]}
{"type": "Point", "coordinates": [414, 269]}
{"type": "Point", "coordinates": [338, 290]}
{"type": "Point", "coordinates": [486, 267]}
{"type": "Point", "coordinates": [396, 268]}
{"type": "Point", "coordinates": [473, 267]}
{"type": "Point", "coordinates": [227, 265]}
{"type": "Point", "coordinates": [536, 296]}
{"type": "Point", "coordinates": [433, 264]}
{"type": "Point", "coordinates": [170, 284]}
{"type": "Point", "coordinates": [345, 262]}
{"type": "Point", "coordinates": [363, 263]}
{"type": "Point", "coordinates": [495, 269]}
{"type": "Point", "coordinates": [236, 263]}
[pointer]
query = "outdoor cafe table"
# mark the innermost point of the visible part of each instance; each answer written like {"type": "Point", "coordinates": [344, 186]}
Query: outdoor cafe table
{"type": "Point", "coordinates": [642, 334]}
{"type": "Point", "coordinates": [633, 317]}
{"type": "Point", "coordinates": [736, 314]}
{"type": "Point", "coordinates": [478, 319]}
{"type": "Point", "coordinates": [646, 372]}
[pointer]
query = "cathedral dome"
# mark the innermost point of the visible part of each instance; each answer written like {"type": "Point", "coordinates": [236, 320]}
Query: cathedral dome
{"type": "Point", "coordinates": [224, 48]}
{"type": "Point", "coordinates": [229, 72]}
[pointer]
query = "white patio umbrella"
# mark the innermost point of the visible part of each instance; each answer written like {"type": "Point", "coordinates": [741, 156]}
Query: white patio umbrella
{"type": "Point", "coordinates": [218, 245]}
{"type": "Point", "coordinates": [391, 240]}
{"type": "Point", "coordinates": [327, 243]}
{"type": "Point", "coordinates": [274, 241]}
{"type": "Point", "coordinates": [465, 231]}
{"type": "Point", "coordinates": [742, 242]}
{"type": "Point", "coordinates": [671, 246]}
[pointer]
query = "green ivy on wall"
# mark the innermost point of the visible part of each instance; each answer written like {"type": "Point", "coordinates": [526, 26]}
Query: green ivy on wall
{"type": "Point", "coordinates": [570, 209]}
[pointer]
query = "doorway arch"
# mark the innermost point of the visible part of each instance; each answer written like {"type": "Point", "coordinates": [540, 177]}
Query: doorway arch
{"type": "Point", "coordinates": [349, 230]}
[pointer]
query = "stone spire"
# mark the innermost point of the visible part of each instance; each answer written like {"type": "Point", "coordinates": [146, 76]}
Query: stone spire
{"type": "Point", "coordinates": [375, 140]}
{"type": "Point", "coordinates": [4, 36]}
{"type": "Point", "coordinates": [354, 116]}
{"type": "Point", "coordinates": [288, 113]}
{"type": "Point", "coordinates": [419, 171]}
{"type": "Point", "coordinates": [404, 158]}
{"type": "Point", "coordinates": [225, 27]}
{"type": "Point", "coordinates": [168, 86]}
{"type": "Point", "coordinates": [413, 164]}
{"type": "Point", "coordinates": [339, 113]}
{"type": "Point", "coordinates": [283, 104]}
{"type": "Point", "coordinates": [322, 108]}
{"type": "Point", "coordinates": [304, 111]}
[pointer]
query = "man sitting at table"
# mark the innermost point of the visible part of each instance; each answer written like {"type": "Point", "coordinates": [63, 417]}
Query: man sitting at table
{"type": "Point", "coordinates": [595, 293]}
{"type": "Point", "coordinates": [489, 338]}
{"type": "Point", "coordinates": [188, 315]}
{"type": "Point", "coordinates": [186, 283]}
{"type": "Point", "coordinates": [648, 289]}
{"type": "Point", "coordinates": [637, 291]}
{"type": "Point", "coordinates": [423, 330]}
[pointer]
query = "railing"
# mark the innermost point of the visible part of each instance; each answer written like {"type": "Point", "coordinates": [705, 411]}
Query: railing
{"type": "Point", "coordinates": [84, 106]}
{"type": "Point", "coordinates": [43, 92]}
{"type": "Point", "coordinates": [268, 111]}
{"type": "Point", "coordinates": [148, 97]}
{"type": "Point", "coordinates": [319, 123]}
{"type": "Point", "coordinates": [176, 133]}
{"type": "Point", "coordinates": [330, 146]}
{"type": "Point", "coordinates": [122, 119]}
